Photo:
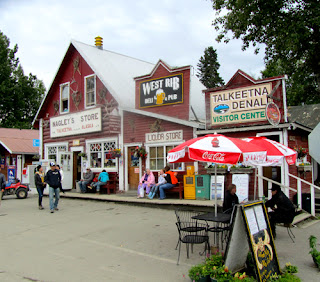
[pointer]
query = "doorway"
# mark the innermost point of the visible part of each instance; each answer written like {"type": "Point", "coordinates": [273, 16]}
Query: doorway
{"type": "Point", "coordinates": [76, 168]}
{"type": "Point", "coordinates": [133, 168]}
{"type": "Point", "coordinates": [271, 172]}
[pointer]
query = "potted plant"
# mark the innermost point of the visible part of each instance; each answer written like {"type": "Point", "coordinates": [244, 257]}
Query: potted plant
{"type": "Point", "coordinates": [199, 273]}
{"type": "Point", "coordinates": [314, 252]}
{"type": "Point", "coordinates": [83, 155]}
{"type": "Point", "coordinates": [302, 152]}
{"type": "Point", "coordinates": [304, 166]}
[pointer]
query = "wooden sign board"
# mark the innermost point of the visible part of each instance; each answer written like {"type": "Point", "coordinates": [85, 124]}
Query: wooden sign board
{"type": "Point", "coordinates": [251, 232]}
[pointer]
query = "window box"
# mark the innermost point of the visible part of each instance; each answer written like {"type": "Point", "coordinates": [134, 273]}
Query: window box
{"type": "Point", "coordinates": [241, 170]}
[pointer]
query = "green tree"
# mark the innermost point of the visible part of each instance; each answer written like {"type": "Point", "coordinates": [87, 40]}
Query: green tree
{"type": "Point", "coordinates": [20, 95]}
{"type": "Point", "coordinates": [290, 32]}
{"type": "Point", "coordinates": [208, 69]}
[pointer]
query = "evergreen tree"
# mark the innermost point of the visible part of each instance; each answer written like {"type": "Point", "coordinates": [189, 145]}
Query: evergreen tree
{"type": "Point", "coordinates": [208, 69]}
{"type": "Point", "coordinates": [20, 95]}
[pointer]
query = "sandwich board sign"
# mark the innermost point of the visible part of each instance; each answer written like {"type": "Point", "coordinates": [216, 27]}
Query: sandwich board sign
{"type": "Point", "coordinates": [251, 232]}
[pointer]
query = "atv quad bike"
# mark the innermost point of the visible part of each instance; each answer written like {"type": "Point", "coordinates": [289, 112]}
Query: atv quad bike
{"type": "Point", "coordinates": [17, 188]}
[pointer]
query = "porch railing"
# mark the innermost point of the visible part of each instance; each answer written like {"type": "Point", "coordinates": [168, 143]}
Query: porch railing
{"type": "Point", "coordinates": [298, 190]}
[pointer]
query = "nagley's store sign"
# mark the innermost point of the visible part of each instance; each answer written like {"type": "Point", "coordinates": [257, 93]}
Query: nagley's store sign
{"type": "Point", "coordinates": [166, 136]}
{"type": "Point", "coordinates": [247, 104]}
{"type": "Point", "coordinates": [161, 91]}
{"type": "Point", "coordinates": [77, 123]}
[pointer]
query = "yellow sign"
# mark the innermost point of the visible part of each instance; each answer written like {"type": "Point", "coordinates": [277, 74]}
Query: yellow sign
{"type": "Point", "coordinates": [246, 104]}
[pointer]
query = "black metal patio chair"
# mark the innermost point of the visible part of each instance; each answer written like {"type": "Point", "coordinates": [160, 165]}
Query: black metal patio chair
{"type": "Point", "coordinates": [190, 238]}
{"type": "Point", "coordinates": [190, 224]}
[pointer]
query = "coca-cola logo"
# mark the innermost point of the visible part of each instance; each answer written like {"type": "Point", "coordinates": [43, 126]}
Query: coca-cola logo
{"type": "Point", "coordinates": [215, 142]}
{"type": "Point", "coordinates": [213, 157]}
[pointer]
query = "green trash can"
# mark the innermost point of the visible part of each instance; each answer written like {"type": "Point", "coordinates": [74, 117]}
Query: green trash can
{"type": "Point", "coordinates": [203, 187]}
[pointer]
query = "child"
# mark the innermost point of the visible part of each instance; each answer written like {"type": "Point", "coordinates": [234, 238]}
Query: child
{"type": "Point", "coordinates": [161, 180]}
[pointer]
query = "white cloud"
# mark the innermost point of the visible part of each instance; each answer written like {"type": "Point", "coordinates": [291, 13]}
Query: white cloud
{"type": "Point", "coordinates": [175, 31]}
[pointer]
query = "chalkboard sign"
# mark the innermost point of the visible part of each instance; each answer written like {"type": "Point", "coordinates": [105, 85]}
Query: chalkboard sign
{"type": "Point", "coordinates": [251, 220]}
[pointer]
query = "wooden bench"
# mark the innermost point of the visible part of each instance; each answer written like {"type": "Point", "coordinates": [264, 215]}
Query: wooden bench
{"type": "Point", "coordinates": [112, 184]}
{"type": "Point", "coordinates": [176, 189]}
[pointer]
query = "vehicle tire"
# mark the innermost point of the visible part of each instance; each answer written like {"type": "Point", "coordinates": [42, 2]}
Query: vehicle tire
{"type": "Point", "coordinates": [21, 193]}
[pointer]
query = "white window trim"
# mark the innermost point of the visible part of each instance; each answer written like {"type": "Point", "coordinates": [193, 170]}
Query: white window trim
{"type": "Point", "coordinates": [90, 141]}
{"type": "Point", "coordinates": [56, 144]}
{"type": "Point", "coordinates": [174, 144]}
{"type": "Point", "coordinates": [85, 91]}
{"type": "Point", "coordinates": [61, 111]}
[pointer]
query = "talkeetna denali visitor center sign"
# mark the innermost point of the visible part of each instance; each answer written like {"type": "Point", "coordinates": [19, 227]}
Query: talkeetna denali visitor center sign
{"type": "Point", "coordinates": [161, 91]}
{"type": "Point", "coordinates": [245, 104]}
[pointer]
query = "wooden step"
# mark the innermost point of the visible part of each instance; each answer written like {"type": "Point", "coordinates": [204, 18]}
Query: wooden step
{"type": "Point", "coordinates": [301, 217]}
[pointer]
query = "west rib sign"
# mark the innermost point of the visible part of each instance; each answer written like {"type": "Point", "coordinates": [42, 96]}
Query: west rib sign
{"type": "Point", "coordinates": [246, 104]}
{"type": "Point", "coordinates": [161, 91]}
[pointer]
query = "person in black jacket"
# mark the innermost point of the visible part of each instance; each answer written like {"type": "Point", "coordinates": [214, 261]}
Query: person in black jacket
{"type": "Point", "coordinates": [2, 184]}
{"type": "Point", "coordinates": [283, 209]}
{"type": "Point", "coordinates": [230, 198]}
{"type": "Point", "coordinates": [40, 184]}
{"type": "Point", "coordinates": [53, 179]}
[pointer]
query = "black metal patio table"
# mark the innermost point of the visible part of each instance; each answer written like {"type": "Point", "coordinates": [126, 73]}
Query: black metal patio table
{"type": "Point", "coordinates": [219, 218]}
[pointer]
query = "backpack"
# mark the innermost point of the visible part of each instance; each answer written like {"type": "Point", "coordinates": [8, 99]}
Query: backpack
{"type": "Point", "coordinates": [174, 179]}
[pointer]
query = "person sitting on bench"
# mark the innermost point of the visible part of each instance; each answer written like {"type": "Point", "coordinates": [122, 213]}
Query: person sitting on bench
{"type": "Point", "coordinates": [161, 180]}
{"type": "Point", "coordinates": [171, 182]}
{"type": "Point", "coordinates": [102, 180]}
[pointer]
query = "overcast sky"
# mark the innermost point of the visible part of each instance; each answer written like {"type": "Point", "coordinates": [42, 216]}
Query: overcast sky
{"type": "Point", "coordinates": [176, 31]}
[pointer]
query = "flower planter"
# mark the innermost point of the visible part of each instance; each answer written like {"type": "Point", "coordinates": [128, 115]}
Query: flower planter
{"type": "Point", "coordinates": [219, 170]}
{"type": "Point", "coordinates": [241, 170]}
{"type": "Point", "coordinates": [302, 168]}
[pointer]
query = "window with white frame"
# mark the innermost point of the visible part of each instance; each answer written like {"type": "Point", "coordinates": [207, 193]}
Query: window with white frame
{"type": "Point", "coordinates": [99, 154]}
{"type": "Point", "coordinates": [158, 158]}
{"type": "Point", "coordinates": [64, 97]}
{"type": "Point", "coordinates": [52, 151]}
{"type": "Point", "coordinates": [90, 90]}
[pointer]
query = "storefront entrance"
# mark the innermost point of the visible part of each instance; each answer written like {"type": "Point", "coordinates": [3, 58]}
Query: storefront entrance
{"type": "Point", "coordinates": [133, 168]}
{"type": "Point", "coordinates": [66, 163]}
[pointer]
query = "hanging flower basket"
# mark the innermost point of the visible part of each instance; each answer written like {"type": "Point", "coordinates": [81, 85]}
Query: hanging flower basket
{"type": "Point", "coordinates": [302, 152]}
{"type": "Point", "coordinates": [140, 152]}
{"type": "Point", "coordinates": [115, 153]}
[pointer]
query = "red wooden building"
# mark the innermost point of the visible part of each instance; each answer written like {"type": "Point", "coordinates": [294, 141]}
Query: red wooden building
{"type": "Point", "coordinates": [101, 102]}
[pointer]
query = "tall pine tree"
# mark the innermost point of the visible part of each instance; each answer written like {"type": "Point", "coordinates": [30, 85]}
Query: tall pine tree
{"type": "Point", "coordinates": [20, 95]}
{"type": "Point", "coordinates": [208, 69]}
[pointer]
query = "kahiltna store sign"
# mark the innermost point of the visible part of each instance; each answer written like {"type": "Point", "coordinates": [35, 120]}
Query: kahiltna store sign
{"type": "Point", "coordinates": [246, 104]}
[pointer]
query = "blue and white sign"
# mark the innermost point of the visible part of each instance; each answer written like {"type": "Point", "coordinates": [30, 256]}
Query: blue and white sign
{"type": "Point", "coordinates": [36, 142]}
{"type": "Point", "coordinates": [11, 174]}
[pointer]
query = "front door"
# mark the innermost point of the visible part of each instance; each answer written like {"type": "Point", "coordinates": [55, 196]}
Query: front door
{"type": "Point", "coordinates": [133, 169]}
{"type": "Point", "coordinates": [65, 159]}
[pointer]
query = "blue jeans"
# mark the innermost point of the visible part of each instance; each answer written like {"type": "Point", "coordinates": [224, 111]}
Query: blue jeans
{"type": "Point", "coordinates": [164, 187]}
{"type": "Point", "coordinates": [56, 193]}
{"type": "Point", "coordinates": [83, 186]}
{"type": "Point", "coordinates": [98, 184]}
{"type": "Point", "coordinates": [40, 192]}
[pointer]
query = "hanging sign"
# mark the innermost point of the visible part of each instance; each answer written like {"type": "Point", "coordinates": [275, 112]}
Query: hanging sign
{"type": "Point", "coordinates": [273, 114]}
{"type": "Point", "coordinates": [161, 91]}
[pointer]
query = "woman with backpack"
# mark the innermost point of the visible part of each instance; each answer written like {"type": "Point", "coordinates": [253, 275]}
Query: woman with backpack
{"type": "Point", "coordinates": [171, 182]}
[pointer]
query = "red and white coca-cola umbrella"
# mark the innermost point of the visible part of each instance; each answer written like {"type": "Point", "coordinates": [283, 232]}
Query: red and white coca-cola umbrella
{"type": "Point", "coordinates": [219, 149]}
{"type": "Point", "coordinates": [276, 151]}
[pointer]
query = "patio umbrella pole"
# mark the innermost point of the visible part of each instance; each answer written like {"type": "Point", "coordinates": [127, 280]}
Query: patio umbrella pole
{"type": "Point", "coordinates": [255, 183]}
{"type": "Point", "coordinates": [215, 190]}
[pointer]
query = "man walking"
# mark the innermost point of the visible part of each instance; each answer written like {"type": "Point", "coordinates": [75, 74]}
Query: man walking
{"type": "Point", "coordinates": [53, 179]}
